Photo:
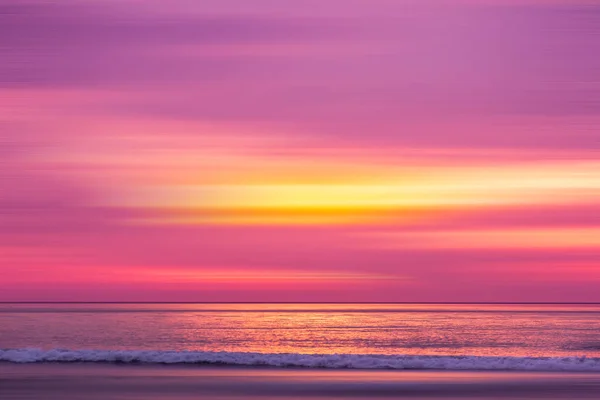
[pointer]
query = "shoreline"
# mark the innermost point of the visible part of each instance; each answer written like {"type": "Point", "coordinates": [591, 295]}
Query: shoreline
{"type": "Point", "coordinates": [580, 363]}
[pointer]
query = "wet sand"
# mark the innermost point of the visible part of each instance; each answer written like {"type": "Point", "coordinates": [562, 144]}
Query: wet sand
{"type": "Point", "coordinates": [128, 382]}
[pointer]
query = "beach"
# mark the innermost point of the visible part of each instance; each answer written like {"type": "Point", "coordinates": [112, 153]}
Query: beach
{"type": "Point", "coordinates": [53, 381]}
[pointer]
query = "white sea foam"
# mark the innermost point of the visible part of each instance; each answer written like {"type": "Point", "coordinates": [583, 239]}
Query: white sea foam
{"type": "Point", "coordinates": [305, 360]}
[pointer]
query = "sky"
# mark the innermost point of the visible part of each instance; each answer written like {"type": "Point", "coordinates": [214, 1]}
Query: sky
{"type": "Point", "coordinates": [305, 151]}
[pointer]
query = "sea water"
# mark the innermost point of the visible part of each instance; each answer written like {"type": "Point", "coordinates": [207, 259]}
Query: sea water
{"type": "Point", "coordinates": [535, 337]}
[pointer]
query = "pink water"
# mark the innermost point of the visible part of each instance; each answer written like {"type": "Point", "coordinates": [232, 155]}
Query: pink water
{"type": "Point", "coordinates": [385, 329]}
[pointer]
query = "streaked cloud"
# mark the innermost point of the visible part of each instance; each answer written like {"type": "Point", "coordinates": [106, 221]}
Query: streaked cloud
{"type": "Point", "coordinates": [521, 238]}
{"type": "Point", "coordinates": [157, 148]}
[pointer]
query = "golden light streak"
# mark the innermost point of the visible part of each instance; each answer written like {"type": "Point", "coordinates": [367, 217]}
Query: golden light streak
{"type": "Point", "coordinates": [41, 273]}
{"type": "Point", "coordinates": [226, 174]}
{"type": "Point", "coordinates": [404, 199]}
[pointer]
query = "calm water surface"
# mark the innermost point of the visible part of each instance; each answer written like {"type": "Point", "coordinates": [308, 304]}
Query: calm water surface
{"type": "Point", "coordinates": [410, 329]}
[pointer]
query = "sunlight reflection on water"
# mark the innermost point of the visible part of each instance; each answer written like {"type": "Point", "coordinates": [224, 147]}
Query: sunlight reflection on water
{"type": "Point", "coordinates": [413, 329]}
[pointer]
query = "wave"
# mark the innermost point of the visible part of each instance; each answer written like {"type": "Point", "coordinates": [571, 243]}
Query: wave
{"type": "Point", "coordinates": [334, 361]}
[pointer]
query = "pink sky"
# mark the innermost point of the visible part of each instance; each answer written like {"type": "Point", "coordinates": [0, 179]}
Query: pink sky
{"type": "Point", "coordinates": [317, 150]}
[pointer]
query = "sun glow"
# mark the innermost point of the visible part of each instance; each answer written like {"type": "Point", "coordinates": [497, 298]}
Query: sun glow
{"type": "Point", "coordinates": [418, 194]}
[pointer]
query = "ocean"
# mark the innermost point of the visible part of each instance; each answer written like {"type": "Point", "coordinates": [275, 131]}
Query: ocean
{"type": "Point", "coordinates": [305, 350]}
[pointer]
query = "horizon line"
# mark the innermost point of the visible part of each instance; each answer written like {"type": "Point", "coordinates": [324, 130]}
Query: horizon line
{"type": "Point", "coordinates": [295, 302]}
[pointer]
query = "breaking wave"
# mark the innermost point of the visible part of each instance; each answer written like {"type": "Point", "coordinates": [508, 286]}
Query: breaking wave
{"type": "Point", "coordinates": [334, 361]}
